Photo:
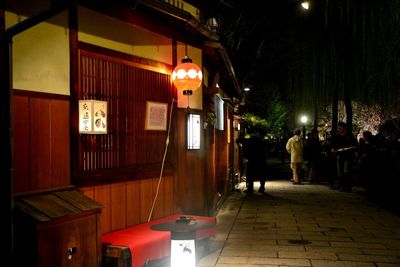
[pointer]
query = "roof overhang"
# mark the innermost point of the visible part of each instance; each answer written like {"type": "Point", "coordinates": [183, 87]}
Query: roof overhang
{"type": "Point", "coordinates": [212, 48]}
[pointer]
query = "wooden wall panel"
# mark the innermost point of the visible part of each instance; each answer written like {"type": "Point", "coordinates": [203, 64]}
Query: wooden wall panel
{"type": "Point", "coordinates": [118, 206]}
{"type": "Point", "coordinates": [146, 198]}
{"type": "Point", "coordinates": [87, 191]}
{"type": "Point", "coordinates": [41, 141]}
{"type": "Point", "coordinates": [132, 203]}
{"type": "Point", "coordinates": [102, 195]}
{"type": "Point", "coordinates": [21, 144]}
{"type": "Point", "coordinates": [127, 204]}
{"type": "Point", "coordinates": [169, 195]}
{"type": "Point", "coordinates": [159, 204]}
{"type": "Point", "coordinates": [60, 143]}
{"type": "Point", "coordinates": [40, 132]}
{"type": "Point", "coordinates": [189, 186]}
{"type": "Point", "coordinates": [222, 158]}
{"type": "Point", "coordinates": [210, 170]}
{"type": "Point", "coordinates": [214, 196]}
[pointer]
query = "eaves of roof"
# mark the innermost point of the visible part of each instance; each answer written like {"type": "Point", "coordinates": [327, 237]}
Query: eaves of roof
{"type": "Point", "coordinates": [220, 55]}
{"type": "Point", "coordinates": [182, 15]}
{"type": "Point", "coordinates": [210, 39]}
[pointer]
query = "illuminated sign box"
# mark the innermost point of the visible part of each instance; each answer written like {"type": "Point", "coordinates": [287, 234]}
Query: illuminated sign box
{"type": "Point", "coordinates": [219, 112]}
{"type": "Point", "coordinates": [193, 131]}
{"type": "Point", "coordinates": [92, 117]}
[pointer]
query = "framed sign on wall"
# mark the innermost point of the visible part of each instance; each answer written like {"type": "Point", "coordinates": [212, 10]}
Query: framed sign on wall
{"type": "Point", "coordinates": [156, 116]}
{"type": "Point", "coordinates": [92, 117]}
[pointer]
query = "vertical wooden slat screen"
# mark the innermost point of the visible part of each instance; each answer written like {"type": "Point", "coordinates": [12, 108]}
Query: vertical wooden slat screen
{"type": "Point", "coordinates": [126, 88]}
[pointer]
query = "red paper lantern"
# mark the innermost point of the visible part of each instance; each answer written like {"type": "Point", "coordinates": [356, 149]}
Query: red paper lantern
{"type": "Point", "coordinates": [187, 76]}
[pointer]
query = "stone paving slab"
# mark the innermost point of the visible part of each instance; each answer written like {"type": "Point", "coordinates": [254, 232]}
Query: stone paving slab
{"type": "Point", "coordinates": [308, 225]}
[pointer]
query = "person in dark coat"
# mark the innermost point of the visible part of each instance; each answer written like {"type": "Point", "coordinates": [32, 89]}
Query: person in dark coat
{"type": "Point", "coordinates": [312, 154]}
{"type": "Point", "coordinates": [344, 146]}
{"type": "Point", "coordinates": [368, 160]}
{"type": "Point", "coordinates": [255, 153]}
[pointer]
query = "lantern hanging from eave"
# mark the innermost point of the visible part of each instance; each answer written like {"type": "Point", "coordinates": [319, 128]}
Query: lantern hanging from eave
{"type": "Point", "coordinates": [187, 76]}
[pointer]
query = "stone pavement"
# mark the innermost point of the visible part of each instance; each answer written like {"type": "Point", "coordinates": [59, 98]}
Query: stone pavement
{"type": "Point", "coordinates": [303, 225]}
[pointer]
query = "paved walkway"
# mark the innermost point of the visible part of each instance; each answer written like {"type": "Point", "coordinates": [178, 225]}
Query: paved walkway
{"type": "Point", "coordinates": [303, 225]}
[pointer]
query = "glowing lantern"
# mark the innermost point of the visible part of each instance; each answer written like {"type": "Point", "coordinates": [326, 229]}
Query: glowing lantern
{"type": "Point", "coordinates": [187, 76]}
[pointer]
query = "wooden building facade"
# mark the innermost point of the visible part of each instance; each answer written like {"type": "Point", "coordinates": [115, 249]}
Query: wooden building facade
{"type": "Point", "coordinates": [122, 53]}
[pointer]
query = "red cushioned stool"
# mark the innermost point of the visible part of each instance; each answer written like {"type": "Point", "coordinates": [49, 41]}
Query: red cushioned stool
{"type": "Point", "coordinates": [143, 243]}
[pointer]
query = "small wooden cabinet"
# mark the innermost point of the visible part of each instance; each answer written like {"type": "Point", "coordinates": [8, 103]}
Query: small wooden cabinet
{"type": "Point", "coordinates": [57, 229]}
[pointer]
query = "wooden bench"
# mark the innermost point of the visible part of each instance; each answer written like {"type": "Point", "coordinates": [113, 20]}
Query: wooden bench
{"type": "Point", "coordinates": [136, 245]}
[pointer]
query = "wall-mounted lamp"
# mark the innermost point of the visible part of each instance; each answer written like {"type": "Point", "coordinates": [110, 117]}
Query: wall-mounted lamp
{"type": "Point", "coordinates": [236, 125]}
{"type": "Point", "coordinates": [219, 112]}
{"type": "Point", "coordinates": [187, 76]}
{"type": "Point", "coordinates": [92, 117]}
{"type": "Point", "coordinates": [212, 24]}
{"type": "Point", "coordinates": [193, 131]}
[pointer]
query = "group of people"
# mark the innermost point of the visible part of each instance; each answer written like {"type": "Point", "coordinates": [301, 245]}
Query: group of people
{"type": "Point", "coordinates": [342, 147]}
{"type": "Point", "coordinates": [337, 157]}
{"type": "Point", "coordinates": [305, 154]}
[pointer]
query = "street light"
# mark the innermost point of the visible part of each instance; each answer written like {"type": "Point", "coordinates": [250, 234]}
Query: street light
{"type": "Point", "coordinates": [305, 5]}
{"type": "Point", "coordinates": [303, 120]}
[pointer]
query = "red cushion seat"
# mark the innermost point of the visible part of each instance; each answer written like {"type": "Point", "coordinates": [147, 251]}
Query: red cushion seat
{"type": "Point", "coordinates": [146, 244]}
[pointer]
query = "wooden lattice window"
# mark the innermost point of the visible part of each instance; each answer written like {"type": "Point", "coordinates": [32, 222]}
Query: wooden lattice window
{"type": "Point", "coordinates": [126, 86]}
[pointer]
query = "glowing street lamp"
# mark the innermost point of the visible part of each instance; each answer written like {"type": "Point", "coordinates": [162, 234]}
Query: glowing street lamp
{"type": "Point", "coordinates": [305, 5]}
{"type": "Point", "coordinates": [303, 120]}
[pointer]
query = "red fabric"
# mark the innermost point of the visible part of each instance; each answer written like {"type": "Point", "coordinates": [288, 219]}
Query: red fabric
{"type": "Point", "coordinates": [146, 244]}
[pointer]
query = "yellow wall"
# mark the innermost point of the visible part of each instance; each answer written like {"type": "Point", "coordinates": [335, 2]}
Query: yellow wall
{"type": "Point", "coordinates": [41, 55]}
{"type": "Point", "coordinates": [185, 6]}
{"type": "Point", "coordinates": [113, 34]}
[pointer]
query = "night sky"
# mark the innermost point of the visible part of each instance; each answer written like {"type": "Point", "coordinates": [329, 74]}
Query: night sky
{"type": "Point", "coordinates": [348, 47]}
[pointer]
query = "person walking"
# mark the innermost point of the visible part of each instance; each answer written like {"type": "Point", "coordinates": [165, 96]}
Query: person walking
{"type": "Point", "coordinates": [255, 152]}
{"type": "Point", "coordinates": [295, 148]}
